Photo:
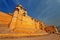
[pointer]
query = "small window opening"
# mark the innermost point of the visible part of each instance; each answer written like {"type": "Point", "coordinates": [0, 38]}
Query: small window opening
{"type": "Point", "coordinates": [24, 14]}
{"type": "Point", "coordinates": [21, 7]}
{"type": "Point", "coordinates": [32, 18]}
{"type": "Point", "coordinates": [17, 10]}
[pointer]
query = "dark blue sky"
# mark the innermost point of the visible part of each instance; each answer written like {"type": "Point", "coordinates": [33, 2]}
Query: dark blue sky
{"type": "Point", "coordinates": [44, 10]}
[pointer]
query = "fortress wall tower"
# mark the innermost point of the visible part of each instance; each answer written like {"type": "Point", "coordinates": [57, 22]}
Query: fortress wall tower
{"type": "Point", "coordinates": [21, 22]}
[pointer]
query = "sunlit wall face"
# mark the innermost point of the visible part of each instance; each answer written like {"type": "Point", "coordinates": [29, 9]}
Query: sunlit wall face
{"type": "Point", "coordinates": [45, 10]}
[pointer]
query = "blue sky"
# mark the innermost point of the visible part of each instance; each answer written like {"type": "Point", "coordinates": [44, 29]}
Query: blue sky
{"type": "Point", "coordinates": [47, 11]}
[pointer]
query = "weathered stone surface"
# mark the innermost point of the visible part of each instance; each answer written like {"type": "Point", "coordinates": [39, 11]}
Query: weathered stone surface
{"type": "Point", "coordinates": [46, 37]}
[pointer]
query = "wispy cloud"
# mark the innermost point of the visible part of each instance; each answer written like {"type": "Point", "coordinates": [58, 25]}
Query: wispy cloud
{"type": "Point", "coordinates": [29, 2]}
{"type": "Point", "coordinates": [50, 11]}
